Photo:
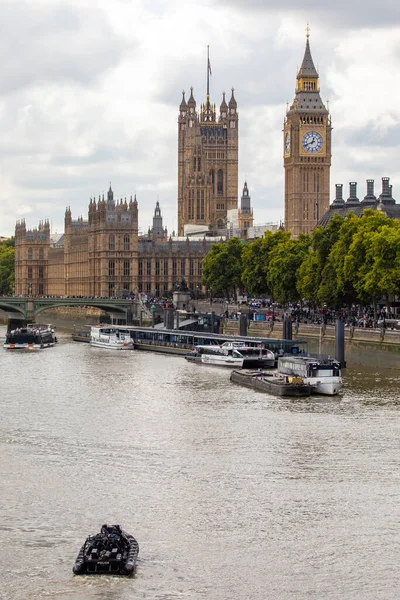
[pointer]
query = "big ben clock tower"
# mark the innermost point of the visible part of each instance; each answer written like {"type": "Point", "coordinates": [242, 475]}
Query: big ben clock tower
{"type": "Point", "coordinates": [307, 152]}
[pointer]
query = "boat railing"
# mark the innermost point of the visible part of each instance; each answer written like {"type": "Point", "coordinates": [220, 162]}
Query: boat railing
{"type": "Point", "coordinates": [322, 358]}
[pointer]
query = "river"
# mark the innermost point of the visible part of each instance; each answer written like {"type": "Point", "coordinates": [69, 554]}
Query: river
{"type": "Point", "coordinates": [231, 493]}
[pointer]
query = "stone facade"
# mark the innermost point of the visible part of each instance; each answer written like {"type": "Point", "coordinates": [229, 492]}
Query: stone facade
{"type": "Point", "coordinates": [307, 152]}
{"type": "Point", "coordinates": [31, 258]}
{"type": "Point", "coordinates": [104, 255]}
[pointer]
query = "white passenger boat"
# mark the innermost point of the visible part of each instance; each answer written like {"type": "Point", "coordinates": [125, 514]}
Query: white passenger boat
{"type": "Point", "coordinates": [32, 337]}
{"type": "Point", "coordinates": [233, 354]}
{"type": "Point", "coordinates": [324, 375]}
{"type": "Point", "coordinates": [113, 338]}
{"type": "Point", "coordinates": [227, 358]}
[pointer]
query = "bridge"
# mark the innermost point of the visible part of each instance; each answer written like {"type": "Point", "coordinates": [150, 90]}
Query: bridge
{"type": "Point", "coordinates": [25, 309]}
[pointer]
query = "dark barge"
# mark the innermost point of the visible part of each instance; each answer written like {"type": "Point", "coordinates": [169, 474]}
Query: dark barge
{"type": "Point", "coordinates": [271, 382]}
{"type": "Point", "coordinates": [112, 552]}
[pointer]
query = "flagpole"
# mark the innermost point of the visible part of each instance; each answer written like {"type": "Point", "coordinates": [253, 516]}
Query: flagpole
{"type": "Point", "coordinates": [208, 72]}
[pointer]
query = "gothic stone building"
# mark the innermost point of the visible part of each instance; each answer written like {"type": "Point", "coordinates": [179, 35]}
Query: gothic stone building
{"type": "Point", "coordinates": [207, 163]}
{"type": "Point", "coordinates": [307, 152]}
{"type": "Point", "coordinates": [104, 255]}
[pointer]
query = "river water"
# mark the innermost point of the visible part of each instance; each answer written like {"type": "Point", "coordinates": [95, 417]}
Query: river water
{"type": "Point", "coordinates": [231, 493]}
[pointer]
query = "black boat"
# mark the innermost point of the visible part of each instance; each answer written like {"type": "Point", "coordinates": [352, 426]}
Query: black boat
{"type": "Point", "coordinates": [31, 337]}
{"type": "Point", "coordinates": [112, 551]}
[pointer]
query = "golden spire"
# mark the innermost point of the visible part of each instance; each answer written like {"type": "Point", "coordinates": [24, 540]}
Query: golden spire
{"type": "Point", "coordinates": [308, 31]}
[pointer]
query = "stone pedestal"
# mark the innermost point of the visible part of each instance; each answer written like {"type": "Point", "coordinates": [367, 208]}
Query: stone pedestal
{"type": "Point", "coordinates": [181, 300]}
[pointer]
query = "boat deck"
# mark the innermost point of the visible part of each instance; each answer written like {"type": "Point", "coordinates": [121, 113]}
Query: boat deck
{"type": "Point", "coordinates": [272, 383]}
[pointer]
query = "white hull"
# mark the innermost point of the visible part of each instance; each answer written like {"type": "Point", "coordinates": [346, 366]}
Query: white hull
{"type": "Point", "coordinates": [112, 345]}
{"type": "Point", "coordinates": [331, 387]}
{"type": "Point", "coordinates": [28, 346]}
{"type": "Point", "coordinates": [221, 361]}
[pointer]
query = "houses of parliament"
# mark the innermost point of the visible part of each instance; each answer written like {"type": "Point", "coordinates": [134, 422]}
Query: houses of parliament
{"type": "Point", "coordinates": [104, 254]}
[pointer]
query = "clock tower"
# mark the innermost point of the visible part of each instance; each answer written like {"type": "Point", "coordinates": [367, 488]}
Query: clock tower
{"type": "Point", "coordinates": [306, 152]}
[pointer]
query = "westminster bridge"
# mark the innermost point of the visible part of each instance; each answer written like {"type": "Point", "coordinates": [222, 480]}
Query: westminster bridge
{"type": "Point", "coordinates": [25, 309]}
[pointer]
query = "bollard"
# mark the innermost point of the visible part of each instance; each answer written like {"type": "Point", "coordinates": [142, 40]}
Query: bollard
{"type": "Point", "coordinates": [339, 345]}
{"type": "Point", "coordinates": [287, 329]}
{"type": "Point", "coordinates": [170, 318]}
{"type": "Point", "coordinates": [243, 325]}
{"type": "Point", "coordinates": [213, 321]}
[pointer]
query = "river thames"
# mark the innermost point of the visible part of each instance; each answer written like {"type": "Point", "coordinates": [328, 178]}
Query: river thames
{"type": "Point", "coordinates": [231, 493]}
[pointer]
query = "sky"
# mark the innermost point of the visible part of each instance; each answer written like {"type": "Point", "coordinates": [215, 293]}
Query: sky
{"type": "Point", "coordinates": [90, 91]}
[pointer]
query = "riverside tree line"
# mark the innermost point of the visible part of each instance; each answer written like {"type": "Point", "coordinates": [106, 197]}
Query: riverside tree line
{"type": "Point", "coordinates": [351, 261]}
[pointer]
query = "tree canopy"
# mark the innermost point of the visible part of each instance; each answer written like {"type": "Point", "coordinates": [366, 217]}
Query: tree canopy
{"type": "Point", "coordinates": [352, 260]}
{"type": "Point", "coordinates": [7, 255]}
{"type": "Point", "coordinates": [222, 268]}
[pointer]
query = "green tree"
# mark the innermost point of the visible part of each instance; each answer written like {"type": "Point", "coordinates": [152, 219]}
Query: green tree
{"type": "Point", "coordinates": [316, 279]}
{"type": "Point", "coordinates": [256, 257]}
{"type": "Point", "coordinates": [222, 268]}
{"type": "Point", "coordinates": [285, 261]}
{"type": "Point", "coordinates": [385, 271]}
{"type": "Point", "coordinates": [342, 290]}
{"type": "Point", "coordinates": [7, 257]}
{"type": "Point", "coordinates": [361, 264]}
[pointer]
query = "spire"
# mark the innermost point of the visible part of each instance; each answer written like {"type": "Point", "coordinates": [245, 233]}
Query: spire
{"type": "Point", "coordinates": [224, 105]}
{"type": "Point", "coordinates": [191, 101]}
{"type": "Point", "coordinates": [245, 204]}
{"type": "Point", "coordinates": [307, 68]}
{"type": "Point", "coordinates": [232, 101]}
{"type": "Point", "coordinates": [307, 88]}
{"type": "Point", "coordinates": [183, 104]}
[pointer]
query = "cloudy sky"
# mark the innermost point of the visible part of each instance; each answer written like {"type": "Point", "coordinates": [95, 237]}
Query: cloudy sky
{"type": "Point", "coordinates": [90, 90]}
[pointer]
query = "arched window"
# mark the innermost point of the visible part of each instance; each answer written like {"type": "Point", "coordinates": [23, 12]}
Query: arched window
{"type": "Point", "coordinates": [111, 242]}
{"type": "Point", "coordinates": [30, 254]}
{"type": "Point", "coordinates": [41, 254]}
{"type": "Point", "coordinates": [212, 177]}
{"type": "Point", "coordinates": [220, 183]}
{"type": "Point", "coordinates": [127, 242]}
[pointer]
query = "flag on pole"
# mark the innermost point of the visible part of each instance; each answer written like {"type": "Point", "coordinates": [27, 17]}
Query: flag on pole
{"type": "Point", "coordinates": [209, 67]}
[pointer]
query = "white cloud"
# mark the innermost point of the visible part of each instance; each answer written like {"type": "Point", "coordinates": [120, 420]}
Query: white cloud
{"type": "Point", "coordinates": [90, 92]}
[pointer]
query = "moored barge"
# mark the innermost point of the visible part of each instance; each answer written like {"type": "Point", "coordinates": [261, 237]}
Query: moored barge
{"type": "Point", "coordinates": [271, 382]}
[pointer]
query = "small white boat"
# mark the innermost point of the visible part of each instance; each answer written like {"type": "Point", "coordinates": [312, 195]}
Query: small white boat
{"type": "Point", "coordinates": [227, 358]}
{"type": "Point", "coordinates": [233, 354]}
{"type": "Point", "coordinates": [113, 338]}
{"type": "Point", "coordinates": [324, 375]}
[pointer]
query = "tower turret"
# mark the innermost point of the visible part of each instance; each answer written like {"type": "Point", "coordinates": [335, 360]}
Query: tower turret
{"type": "Point", "coordinates": [223, 109]}
{"type": "Point", "coordinates": [207, 163]}
{"type": "Point", "coordinates": [306, 151]}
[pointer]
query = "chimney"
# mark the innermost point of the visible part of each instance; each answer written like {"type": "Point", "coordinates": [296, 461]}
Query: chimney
{"type": "Point", "coordinates": [352, 199]}
{"type": "Point", "coordinates": [385, 186]}
{"type": "Point", "coordinates": [338, 201]}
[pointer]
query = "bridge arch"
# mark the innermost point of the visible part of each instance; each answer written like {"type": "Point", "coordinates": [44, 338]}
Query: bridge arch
{"type": "Point", "coordinates": [13, 309]}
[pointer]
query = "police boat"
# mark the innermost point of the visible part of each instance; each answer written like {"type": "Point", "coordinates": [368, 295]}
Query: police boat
{"type": "Point", "coordinates": [112, 551]}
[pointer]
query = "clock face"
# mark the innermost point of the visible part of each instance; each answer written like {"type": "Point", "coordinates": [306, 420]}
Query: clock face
{"type": "Point", "coordinates": [312, 141]}
{"type": "Point", "coordinates": [287, 143]}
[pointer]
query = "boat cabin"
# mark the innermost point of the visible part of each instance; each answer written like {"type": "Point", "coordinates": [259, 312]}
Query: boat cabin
{"type": "Point", "coordinates": [307, 366]}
